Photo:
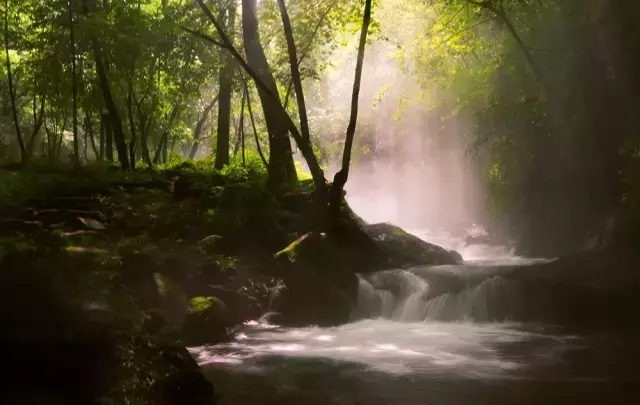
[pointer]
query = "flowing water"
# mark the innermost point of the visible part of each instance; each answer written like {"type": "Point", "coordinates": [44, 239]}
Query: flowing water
{"type": "Point", "coordinates": [444, 335]}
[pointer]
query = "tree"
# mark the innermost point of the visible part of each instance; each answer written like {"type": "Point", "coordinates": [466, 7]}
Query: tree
{"type": "Point", "coordinates": [340, 179]}
{"type": "Point", "coordinates": [74, 81]}
{"type": "Point", "coordinates": [114, 114]}
{"type": "Point", "coordinates": [226, 82]}
{"type": "Point", "coordinates": [12, 93]}
{"type": "Point", "coordinates": [281, 168]}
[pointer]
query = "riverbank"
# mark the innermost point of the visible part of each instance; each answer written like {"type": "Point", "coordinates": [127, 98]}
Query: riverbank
{"type": "Point", "coordinates": [136, 266]}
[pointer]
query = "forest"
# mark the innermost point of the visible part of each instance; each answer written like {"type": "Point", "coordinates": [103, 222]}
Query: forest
{"type": "Point", "coordinates": [173, 169]}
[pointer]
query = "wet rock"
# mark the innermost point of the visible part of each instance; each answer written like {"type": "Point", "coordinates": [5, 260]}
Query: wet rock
{"type": "Point", "coordinates": [206, 321]}
{"type": "Point", "coordinates": [321, 288]}
{"type": "Point", "coordinates": [406, 250]}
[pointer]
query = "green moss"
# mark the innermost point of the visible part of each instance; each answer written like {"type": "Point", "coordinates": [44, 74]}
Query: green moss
{"type": "Point", "coordinates": [199, 304]}
{"type": "Point", "coordinates": [290, 251]}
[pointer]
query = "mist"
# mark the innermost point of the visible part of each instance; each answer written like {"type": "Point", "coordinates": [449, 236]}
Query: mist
{"type": "Point", "coordinates": [411, 166]}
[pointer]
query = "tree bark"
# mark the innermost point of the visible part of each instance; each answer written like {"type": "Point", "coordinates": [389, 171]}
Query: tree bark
{"type": "Point", "coordinates": [306, 150]}
{"type": "Point", "coordinates": [145, 142]}
{"type": "Point", "coordinates": [12, 94]}
{"type": "Point", "coordinates": [132, 126]}
{"type": "Point", "coordinates": [61, 137]}
{"type": "Point", "coordinates": [89, 130]}
{"type": "Point", "coordinates": [241, 126]}
{"type": "Point", "coordinates": [114, 115]}
{"type": "Point", "coordinates": [74, 86]}
{"type": "Point", "coordinates": [282, 172]}
{"type": "Point", "coordinates": [253, 123]}
{"type": "Point", "coordinates": [200, 126]}
{"type": "Point", "coordinates": [37, 122]}
{"type": "Point", "coordinates": [224, 107]}
{"type": "Point", "coordinates": [340, 179]}
{"type": "Point", "coordinates": [295, 72]}
{"type": "Point", "coordinates": [161, 147]}
{"type": "Point", "coordinates": [108, 137]}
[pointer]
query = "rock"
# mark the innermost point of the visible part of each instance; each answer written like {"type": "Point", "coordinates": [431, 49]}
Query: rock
{"type": "Point", "coordinates": [321, 287]}
{"type": "Point", "coordinates": [210, 244]}
{"type": "Point", "coordinates": [406, 250]}
{"type": "Point", "coordinates": [184, 188]}
{"type": "Point", "coordinates": [241, 306]}
{"type": "Point", "coordinates": [206, 321]}
{"type": "Point", "coordinates": [456, 256]}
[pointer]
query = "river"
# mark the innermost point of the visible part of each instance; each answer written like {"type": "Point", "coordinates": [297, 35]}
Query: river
{"type": "Point", "coordinates": [411, 343]}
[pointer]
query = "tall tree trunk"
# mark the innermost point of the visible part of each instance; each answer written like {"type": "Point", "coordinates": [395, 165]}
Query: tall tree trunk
{"type": "Point", "coordinates": [340, 179]}
{"type": "Point", "coordinates": [116, 122]}
{"type": "Point", "coordinates": [224, 107]}
{"type": "Point", "coordinates": [200, 126]}
{"type": "Point", "coordinates": [161, 147]}
{"type": "Point", "coordinates": [12, 94]}
{"type": "Point", "coordinates": [239, 128]}
{"type": "Point", "coordinates": [38, 119]}
{"type": "Point", "coordinates": [132, 126]}
{"type": "Point", "coordinates": [108, 137]}
{"type": "Point", "coordinates": [50, 144]}
{"type": "Point", "coordinates": [158, 153]}
{"type": "Point", "coordinates": [89, 119]}
{"type": "Point", "coordinates": [253, 123]}
{"type": "Point", "coordinates": [102, 138]}
{"type": "Point", "coordinates": [267, 91]}
{"type": "Point", "coordinates": [144, 139]}
{"type": "Point", "coordinates": [61, 137]}
{"type": "Point", "coordinates": [74, 86]}
{"type": "Point", "coordinates": [282, 172]}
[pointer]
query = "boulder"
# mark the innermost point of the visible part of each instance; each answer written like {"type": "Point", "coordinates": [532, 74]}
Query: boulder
{"type": "Point", "coordinates": [321, 287]}
{"type": "Point", "coordinates": [206, 321]}
{"type": "Point", "coordinates": [406, 250]}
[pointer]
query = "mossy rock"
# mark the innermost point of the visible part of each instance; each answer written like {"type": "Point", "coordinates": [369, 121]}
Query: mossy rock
{"type": "Point", "coordinates": [210, 244]}
{"type": "Point", "coordinates": [321, 286]}
{"type": "Point", "coordinates": [206, 321]}
{"type": "Point", "coordinates": [406, 250]}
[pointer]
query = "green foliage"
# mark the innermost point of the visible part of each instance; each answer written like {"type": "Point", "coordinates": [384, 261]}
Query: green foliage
{"type": "Point", "coordinates": [252, 170]}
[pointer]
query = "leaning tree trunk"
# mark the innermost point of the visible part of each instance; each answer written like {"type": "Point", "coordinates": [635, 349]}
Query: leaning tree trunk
{"type": "Point", "coordinates": [253, 123]}
{"type": "Point", "coordinates": [224, 106]}
{"type": "Point", "coordinates": [282, 172]}
{"type": "Point", "coordinates": [340, 179]}
{"type": "Point", "coordinates": [114, 115]}
{"type": "Point", "coordinates": [267, 91]}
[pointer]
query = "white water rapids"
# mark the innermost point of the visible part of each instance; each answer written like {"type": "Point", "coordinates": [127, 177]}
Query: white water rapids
{"type": "Point", "coordinates": [444, 335]}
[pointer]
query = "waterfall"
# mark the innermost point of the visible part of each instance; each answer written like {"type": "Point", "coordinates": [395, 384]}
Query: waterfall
{"type": "Point", "coordinates": [397, 295]}
{"type": "Point", "coordinates": [406, 296]}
